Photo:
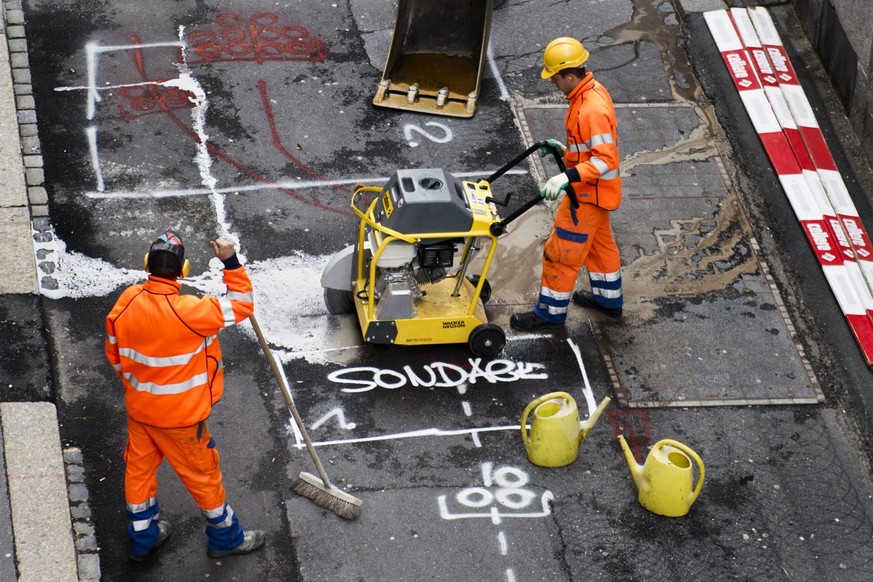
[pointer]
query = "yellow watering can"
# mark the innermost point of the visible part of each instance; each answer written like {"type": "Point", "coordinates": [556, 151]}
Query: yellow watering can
{"type": "Point", "coordinates": [555, 430]}
{"type": "Point", "coordinates": [666, 480]}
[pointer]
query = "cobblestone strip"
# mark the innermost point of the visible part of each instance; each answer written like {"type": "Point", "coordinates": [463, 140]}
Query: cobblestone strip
{"type": "Point", "coordinates": [31, 148]}
{"type": "Point", "coordinates": [23, 90]}
{"type": "Point", "coordinates": [87, 557]}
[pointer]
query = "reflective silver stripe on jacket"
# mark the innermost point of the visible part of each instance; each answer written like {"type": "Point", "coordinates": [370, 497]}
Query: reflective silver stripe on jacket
{"type": "Point", "coordinates": [163, 389]}
{"type": "Point", "coordinates": [164, 361]}
{"type": "Point", "coordinates": [239, 296]}
{"type": "Point", "coordinates": [605, 172]}
{"type": "Point", "coordinates": [227, 311]}
{"type": "Point", "coordinates": [595, 141]}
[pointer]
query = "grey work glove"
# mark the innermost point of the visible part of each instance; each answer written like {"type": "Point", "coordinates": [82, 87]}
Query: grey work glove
{"type": "Point", "coordinates": [554, 186]}
{"type": "Point", "coordinates": [547, 151]}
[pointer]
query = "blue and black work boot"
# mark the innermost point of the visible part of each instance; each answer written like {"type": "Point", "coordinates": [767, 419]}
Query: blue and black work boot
{"type": "Point", "coordinates": [253, 539]}
{"type": "Point", "coordinates": [586, 299]}
{"type": "Point", "coordinates": [163, 535]}
{"type": "Point", "coordinates": [530, 321]}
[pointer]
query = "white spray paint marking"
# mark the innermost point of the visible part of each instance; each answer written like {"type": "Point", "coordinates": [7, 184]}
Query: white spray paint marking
{"type": "Point", "coordinates": [91, 132]}
{"type": "Point", "coordinates": [340, 417]}
{"type": "Point", "coordinates": [468, 410]}
{"type": "Point", "coordinates": [495, 72]}
{"type": "Point", "coordinates": [109, 87]}
{"type": "Point", "coordinates": [589, 395]}
{"type": "Point", "coordinates": [507, 500]}
{"type": "Point", "coordinates": [293, 322]}
{"type": "Point", "coordinates": [487, 473]}
{"type": "Point", "coordinates": [409, 129]}
{"type": "Point", "coordinates": [92, 52]}
{"type": "Point", "coordinates": [510, 575]}
{"type": "Point", "coordinates": [425, 432]}
{"type": "Point", "coordinates": [436, 374]}
{"type": "Point", "coordinates": [504, 547]}
{"type": "Point", "coordinates": [286, 185]}
{"type": "Point", "coordinates": [186, 82]}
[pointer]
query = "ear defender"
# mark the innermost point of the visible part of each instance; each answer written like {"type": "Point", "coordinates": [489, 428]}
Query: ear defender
{"type": "Point", "coordinates": [169, 261]}
{"type": "Point", "coordinates": [186, 266]}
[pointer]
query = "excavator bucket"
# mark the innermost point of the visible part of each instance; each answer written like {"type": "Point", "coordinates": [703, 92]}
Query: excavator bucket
{"type": "Point", "coordinates": [436, 58]}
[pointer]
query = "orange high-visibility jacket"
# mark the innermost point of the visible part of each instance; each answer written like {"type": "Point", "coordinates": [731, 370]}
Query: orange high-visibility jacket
{"type": "Point", "coordinates": [591, 156]}
{"type": "Point", "coordinates": [165, 348]}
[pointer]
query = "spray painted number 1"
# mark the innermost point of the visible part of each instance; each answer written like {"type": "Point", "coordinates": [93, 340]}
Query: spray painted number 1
{"type": "Point", "coordinates": [409, 130]}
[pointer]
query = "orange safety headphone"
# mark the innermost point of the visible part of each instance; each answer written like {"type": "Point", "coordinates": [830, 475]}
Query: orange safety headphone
{"type": "Point", "coordinates": [169, 242]}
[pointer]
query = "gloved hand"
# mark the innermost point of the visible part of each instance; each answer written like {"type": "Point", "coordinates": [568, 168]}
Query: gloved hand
{"type": "Point", "coordinates": [545, 151]}
{"type": "Point", "coordinates": [554, 186]}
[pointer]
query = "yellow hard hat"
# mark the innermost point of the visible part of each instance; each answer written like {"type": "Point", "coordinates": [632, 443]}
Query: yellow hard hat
{"type": "Point", "coordinates": [563, 53]}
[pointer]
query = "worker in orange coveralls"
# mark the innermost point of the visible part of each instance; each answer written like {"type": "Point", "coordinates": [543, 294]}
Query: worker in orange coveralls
{"type": "Point", "coordinates": [582, 236]}
{"type": "Point", "coordinates": [164, 347]}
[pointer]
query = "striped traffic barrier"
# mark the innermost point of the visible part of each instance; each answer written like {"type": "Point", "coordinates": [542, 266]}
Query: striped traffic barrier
{"type": "Point", "coordinates": [843, 275]}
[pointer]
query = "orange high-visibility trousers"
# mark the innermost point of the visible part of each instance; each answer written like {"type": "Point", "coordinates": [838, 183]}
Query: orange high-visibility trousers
{"type": "Point", "coordinates": [195, 460]}
{"type": "Point", "coordinates": [587, 241]}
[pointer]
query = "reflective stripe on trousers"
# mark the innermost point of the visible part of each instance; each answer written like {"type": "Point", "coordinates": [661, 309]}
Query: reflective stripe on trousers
{"type": "Point", "coordinates": [143, 525]}
{"type": "Point", "coordinates": [223, 530]}
{"type": "Point", "coordinates": [568, 249]}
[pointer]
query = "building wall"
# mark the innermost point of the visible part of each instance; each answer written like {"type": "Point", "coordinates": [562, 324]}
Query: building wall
{"type": "Point", "coordinates": [841, 31]}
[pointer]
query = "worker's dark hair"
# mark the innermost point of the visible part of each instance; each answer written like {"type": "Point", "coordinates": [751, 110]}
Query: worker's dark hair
{"type": "Point", "coordinates": [166, 258]}
{"type": "Point", "coordinates": [165, 265]}
{"type": "Point", "coordinates": [579, 72]}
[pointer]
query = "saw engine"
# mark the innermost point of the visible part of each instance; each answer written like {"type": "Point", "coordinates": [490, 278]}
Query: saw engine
{"type": "Point", "coordinates": [421, 204]}
{"type": "Point", "coordinates": [412, 276]}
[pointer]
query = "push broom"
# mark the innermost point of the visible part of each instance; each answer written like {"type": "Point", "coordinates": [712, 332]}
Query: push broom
{"type": "Point", "coordinates": [320, 491]}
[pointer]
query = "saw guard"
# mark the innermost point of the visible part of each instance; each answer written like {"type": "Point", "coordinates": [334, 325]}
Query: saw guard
{"type": "Point", "coordinates": [436, 57]}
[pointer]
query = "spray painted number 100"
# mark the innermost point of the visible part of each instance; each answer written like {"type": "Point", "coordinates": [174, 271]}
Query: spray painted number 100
{"type": "Point", "coordinates": [410, 129]}
{"type": "Point", "coordinates": [505, 495]}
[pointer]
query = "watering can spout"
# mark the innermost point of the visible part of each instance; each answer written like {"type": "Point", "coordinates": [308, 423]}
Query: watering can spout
{"type": "Point", "coordinates": [635, 468]}
{"type": "Point", "coordinates": [586, 426]}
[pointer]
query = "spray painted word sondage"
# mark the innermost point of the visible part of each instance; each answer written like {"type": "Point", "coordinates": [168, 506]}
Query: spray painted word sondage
{"type": "Point", "coordinates": [436, 374]}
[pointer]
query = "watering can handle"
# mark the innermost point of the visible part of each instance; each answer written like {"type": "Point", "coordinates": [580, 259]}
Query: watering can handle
{"type": "Point", "coordinates": [687, 450]}
{"type": "Point", "coordinates": [534, 404]}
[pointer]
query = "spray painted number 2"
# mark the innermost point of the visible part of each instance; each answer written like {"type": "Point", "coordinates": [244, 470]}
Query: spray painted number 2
{"type": "Point", "coordinates": [409, 130]}
{"type": "Point", "coordinates": [504, 496]}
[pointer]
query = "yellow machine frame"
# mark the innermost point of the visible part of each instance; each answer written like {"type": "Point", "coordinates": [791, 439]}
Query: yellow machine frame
{"type": "Point", "coordinates": [451, 309]}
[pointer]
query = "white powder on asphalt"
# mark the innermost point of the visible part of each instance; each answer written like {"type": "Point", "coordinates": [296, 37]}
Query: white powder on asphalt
{"type": "Point", "coordinates": [289, 301]}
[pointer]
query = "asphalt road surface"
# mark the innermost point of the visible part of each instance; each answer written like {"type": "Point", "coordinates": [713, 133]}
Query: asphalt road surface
{"type": "Point", "coordinates": [170, 114]}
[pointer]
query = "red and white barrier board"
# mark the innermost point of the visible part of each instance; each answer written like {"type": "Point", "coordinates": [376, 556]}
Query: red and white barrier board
{"type": "Point", "coordinates": [785, 141]}
{"type": "Point", "coordinates": [819, 152]}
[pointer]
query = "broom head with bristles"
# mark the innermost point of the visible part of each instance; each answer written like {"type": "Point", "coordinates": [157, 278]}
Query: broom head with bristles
{"type": "Point", "coordinates": [338, 501]}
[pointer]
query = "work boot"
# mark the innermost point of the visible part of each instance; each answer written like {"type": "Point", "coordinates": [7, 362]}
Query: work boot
{"type": "Point", "coordinates": [253, 539]}
{"type": "Point", "coordinates": [530, 321]}
{"type": "Point", "coordinates": [163, 535]}
{"type": "Point", "coordinates": [586, 299]}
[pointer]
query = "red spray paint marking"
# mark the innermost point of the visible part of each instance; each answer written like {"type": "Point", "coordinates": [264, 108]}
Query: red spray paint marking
{"type": "Point", "coordinates": [259, 39]}
{"type": "Point", "coordinates": [140, 66]}
{"type": "Point", "coordinates": [277, 141]}
{"type": "Point", "coordinates": [151, 99]}
{"type": "Point", "coordinates": [626, 422]}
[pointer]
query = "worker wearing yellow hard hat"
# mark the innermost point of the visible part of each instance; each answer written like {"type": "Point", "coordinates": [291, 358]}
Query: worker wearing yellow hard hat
{"type": "Point", "coordinates": [582, 236]}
